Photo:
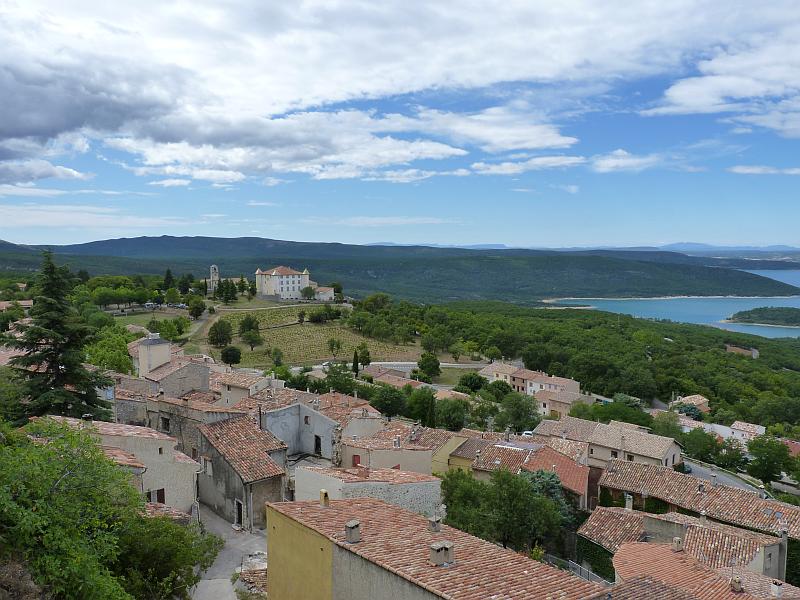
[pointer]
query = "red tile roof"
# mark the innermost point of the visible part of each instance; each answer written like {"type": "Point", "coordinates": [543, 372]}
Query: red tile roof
{"type": "Point", "coordinates": [574, 476]}
{"type": "Point", "coordinates": [794, 447]}
{"type": "Point", "coordinates": [501, 456]}
{"type": "Point", "coordinates": [123, 458]}
{"type": "Point", "coordinates": [356, 474]}
{"type": "Point", "coordinates": [245, 446]}
{"type": "Point", "coordinates": [240, 380]}
{"type": "Point", "coordinates": [397, 382]}
{"type": "Point", "coordinates": [399, 541]}
{"type": "Point", "coordinates": [155, 509]}
{"type": "Point", "coordinates": [114, 429]}
{"type": "Point", "coordinates": [728, 504]}
{"type": "Point", "coordinates": [279, 270]}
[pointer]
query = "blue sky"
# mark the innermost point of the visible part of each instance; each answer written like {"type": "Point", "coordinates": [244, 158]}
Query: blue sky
{"type": "Point", "coordinates": [529, 124]}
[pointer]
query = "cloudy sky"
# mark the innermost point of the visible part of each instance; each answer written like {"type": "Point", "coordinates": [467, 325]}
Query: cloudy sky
{"type": "Point", "coordinates": [526, 123]}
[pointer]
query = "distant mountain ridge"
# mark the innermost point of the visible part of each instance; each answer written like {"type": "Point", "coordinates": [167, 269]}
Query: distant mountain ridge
{"type": "Point", "coordinates": [425, 273]}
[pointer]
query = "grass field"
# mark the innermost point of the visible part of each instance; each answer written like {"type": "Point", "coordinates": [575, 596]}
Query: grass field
{"type": "Point", "coordinates": [450, 375]}
{"type": "Point", "coordinates": [303, 344]}
{"type": "Point", "coordinates": [144, 318]}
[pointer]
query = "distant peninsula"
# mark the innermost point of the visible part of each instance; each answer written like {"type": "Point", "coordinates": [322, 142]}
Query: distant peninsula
{"type": "Point", "coordinates": [769, 315]}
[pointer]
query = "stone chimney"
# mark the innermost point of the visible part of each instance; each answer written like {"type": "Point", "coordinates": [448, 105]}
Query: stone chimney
{"type": "Point", "coordinates": [507, 434]}
{"type": "Point", "coordinates": [363, 471]}
{"type": "Point", "coordinates": [714, 479]}
{"type": "Point", "coordinates": [396, 441]}
{"type": "Point", "coordinates": [776, 589]}
{"type": "Point", "coordinates": [703, 518]}
{"type": "Point", "coordinates": [86, 420]}
{"type": "Point", "coordinates": [441, 554]}
{"type": "Point", "coordinates": [736, 585]}
{"type": "Point", "coordinates": [677, 544]}
{"type": "Point", "coordinates": [762, 492]}
{"type": "Point", "coordinates": [628, 502]}
{"type": "Point", "coordinates": [352, 531]}
{"type": "Point", "coordinates": [355, 394]}
{"type": "Point", "coordinates": [324, 499]}
{"type": "Point", "coordinates": [435, 524]}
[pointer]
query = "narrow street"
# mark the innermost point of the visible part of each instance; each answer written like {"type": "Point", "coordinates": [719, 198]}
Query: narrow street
{"type": "Point", "coordinates": [216, 582]}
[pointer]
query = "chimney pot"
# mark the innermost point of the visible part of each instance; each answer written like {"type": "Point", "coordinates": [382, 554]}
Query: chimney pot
{"type": "Point", "coordinates": [714, 479]}
{"type": "Point", "coordinates": [776, 589]}
{"type": "Point", "coordinates": [396, 442]}
{"type": "Point", "coordinates": [703, 518]}
{"type": "Point", "coordinates": [628, 502]}
{"type": "Point", "coordinates": [736, 584]}
{"type": "Point", "coordinates": [355, 394]}
{"type": "Point", "coordinates": [435, 524]}
{"type": "Point", "coordinates": [441, 554]}
{"type": "Point", "coordinates": [352, 531]}
{"type": "Point", "coordinates": [677, 544]}
{"type": "Point", "coordinates": [324, 498]}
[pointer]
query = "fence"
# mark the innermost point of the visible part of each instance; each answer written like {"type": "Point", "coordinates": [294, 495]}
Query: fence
{"type": "Point", "coordinates": [575, 569]}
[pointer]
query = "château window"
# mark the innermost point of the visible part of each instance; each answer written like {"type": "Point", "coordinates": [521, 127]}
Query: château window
{"type": "Point", "coordinates": [613, 454]}
{"type": "Point", "coordinates": [165, 424]}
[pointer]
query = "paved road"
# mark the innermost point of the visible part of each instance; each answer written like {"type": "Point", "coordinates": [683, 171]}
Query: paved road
{"type": "Point", "coordinates": [216, 582]}
{"type": "Point", "coordinates": [407, 366]}
{"type": "Point", "coordinates": [723, 478]}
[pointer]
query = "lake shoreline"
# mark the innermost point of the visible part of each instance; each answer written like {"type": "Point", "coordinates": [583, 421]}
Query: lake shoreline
{"type": "Point", "coordinates": [759, 324]}
{"type": "Point", "coordinates": [557, 300]}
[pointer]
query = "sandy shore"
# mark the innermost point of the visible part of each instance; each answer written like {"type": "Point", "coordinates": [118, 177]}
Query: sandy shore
{"type": "Point", "coordinates": [759, 324]}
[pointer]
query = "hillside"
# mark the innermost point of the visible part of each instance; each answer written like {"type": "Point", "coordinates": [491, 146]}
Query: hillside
{"type": "Point", "coordinates": [420, 273]}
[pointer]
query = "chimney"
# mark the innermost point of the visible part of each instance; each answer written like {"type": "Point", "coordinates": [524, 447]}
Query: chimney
{"type": "Point", "coordinates": [324, 499]}
{"type": "Point", "coordinates": [331, 390]}
{"type": "Point", "coordinates": [364, 413]}
{"type": "Point", "coordinates": [701, 488]}
{"type": "Point", "coordinates": [776, 589]}
{"type": "Point", "coordinates": [677, 544]}
{"type": "Point", "coordinates": [762, 492]}
{"type": "Point", "coordinates": [628, 502]}
{"type": "Point", "coordinates": [435, 524]}
{"type": "Point", "coordinates": [363, 471]}
{"type": "Point", "coordinates": [736, 585]}
{"type": "Point", "coordinates": [441, 554]}
{"type": "Point", "coordinates": [703, 518]}
{"type": "Point", "coordinates": [161, 392]}
{"type": "Point", "coordinates": [507, 434]}
{"type": "Point", "coordinates": [352, 531]}
{"type": "Point", "coordinates": [86, 420]}
{"type": "Point", "coordinates": [396, 442]}
{"type": "Point", "coordinates": [355, 394]}
{"type": "Point", "coordinates": [714, 479]}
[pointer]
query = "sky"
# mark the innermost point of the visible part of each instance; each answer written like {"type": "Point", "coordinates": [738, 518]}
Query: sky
{"type": "Point", "coordinates": [541, 124]}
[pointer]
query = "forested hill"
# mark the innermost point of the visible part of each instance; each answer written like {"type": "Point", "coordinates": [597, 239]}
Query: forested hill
{"type": "Point", "coordinates": [419, 273]}
{"type": "Point", "coordinates": [769, 315]}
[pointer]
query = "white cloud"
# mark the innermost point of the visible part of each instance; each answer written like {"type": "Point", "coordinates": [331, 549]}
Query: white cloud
{"type": "Point", "coordinates": [621, 160]}
{"type": "Point", "coordinates": [382, 221]}
{"type": "Point", "coordinates": [213, 216]}
{"type": "Point", "coordinates": [22, 171]}
{"type": "Point", "coordinates": [763, 170]}
{"type": "Point", "coordinates": [66, 215]}
{"type": "Point", "coordinates": [523, 190]}
{"type": "Point", "coordinates": [261, 203]}
{"type": "Point", "coordinates": [533, 164]}
{"type": "Point", "coordinates": [273, 181]}
{"type": "Point", "coordinates": [171, 182]}
{"type": "Point", "coordinates": [29, 191]}
{"type": "Point", "coordinates": [569, 188]}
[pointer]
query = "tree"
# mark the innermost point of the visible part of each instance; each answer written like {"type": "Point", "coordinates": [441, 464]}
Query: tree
{"type": "Point", "coordinates": [700, 445]}
{"type": "Point", "coordinates": [307, 293]}
{"type": "Point", "coordinates": [548, 485]}
{"type": "Point", "coordinates": [354, 365]}
{"type": "Point", "coordinates": [473, 381]}
{"type": "Point", "coordinates": [53, 346]}
{"type": "Point", "coordinates": [334, 346]}
{"type": "Point", "coordinates": [301, 316]}
{"type": "Point", "coordinates": [731, 455]}
{"type": "Point", "coordinates": [451, 413]}
{"type": "Point", "coordinates": [169, 280]}
{"type": "Point", "coordinates": [196, 307]}
{"type": "Point", "coordinates": [252, 338]}
{"type": "Point", "coordinates": [363, 354]}
{"type": "Point", "coordinates": [110, 350]}
{"type": "Point", "coordinates": [493, 353]}
{"type": "Point", "coordinates": [172, 296]}
{"type": "Point", "coordinates": [389, 400]}
{"type": "Point", "coordinates": [77, 519]}
{"type": "Point", "coordinates": [339, 378]}
{"type": "Point", "coordinates": [277, 357]}
{"type": "Point", "coordinates": [456, 350]}
{"type": "Point", "coordinates": [667, 424]}
{"type": "Point", "coordinates": [429, 364]}
{"type": "Point", "coordinates": [242, 285]}
{"type": "Point", "coordinates": [83, 275]}
{"type": "Point", "coordinates": [518, 413]}
{"type": "Point", "coordinates": [770, 458]}
{"type": "Point", "coordinates": [220, 334]}
{"type": "Point", "coordinates": [499, 389]}
{"type": "Point", "coordinates": [421, 406]}
{"type": "Point", "coordinates": [519, 518]}
{"type": "Point", "coordinates": [248, 323]}
{"type": "Point", "coordinates": [231, 355]}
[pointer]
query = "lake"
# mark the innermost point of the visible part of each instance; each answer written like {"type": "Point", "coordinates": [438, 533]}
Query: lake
{"type": "Point", "coordinates": [704, 311]}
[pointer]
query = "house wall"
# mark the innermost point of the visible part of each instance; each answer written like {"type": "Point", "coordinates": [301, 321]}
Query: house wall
{"type": "Point", "coordinates": [360, 579]}
{"type": "Point", "coordinates": [183, 423]}
{"type": "Point", "coordinates": [130, 412]}
{"type": "Point", "coordinates": [289, 424]}
{"type": "Point", "coordinates": [261, 492]}
{"type": "Point", "coordinates": [163, 471]}
{"type": "Point", "coordinates": [151, 356]}
{"type": "Point", "coordinates": [362, 427]}
{"type": "Point", "coordinates": [440, 461]}
{"type": "Point", "coordinates": [193, 376]}
{"type": "Point", "coordinates": [307, 485]}
{"type": "Point", "coordinates": [600, 455]}
{"type": "Point", "coordinates": [220, 486]}
{"type": "Point", "coordinates": [300, 560]}
{"type": "Point", "coordinates": [417, 461]}
{"type": "Point", "coordinates": [456, 462]}
{"type": "Point", "coordinates": [325, 296]}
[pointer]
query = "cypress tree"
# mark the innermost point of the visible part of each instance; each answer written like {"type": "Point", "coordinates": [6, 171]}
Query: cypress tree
{"type": "Point", "coordinates": [355, 361]}
{"type": "Point", "coordinates": [55, 380]}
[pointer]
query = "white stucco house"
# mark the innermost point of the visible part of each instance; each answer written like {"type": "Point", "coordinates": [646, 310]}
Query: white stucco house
{"type": "Point", "coordinates": [288, 284]}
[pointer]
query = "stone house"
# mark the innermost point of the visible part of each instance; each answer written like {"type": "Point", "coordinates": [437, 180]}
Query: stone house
{"type": "Point", "coordinates": [237, 386]}
{"type": "Point", "coordinates": [169, 477]}
{"type": "Point", "coordinates": [243, 468]}
{"type": "Point", "coordinates": [412, 491]}
{"type": "Point", "coordinates": [697, 400]}
{"type": "Point", "coordinates": [558, 403]}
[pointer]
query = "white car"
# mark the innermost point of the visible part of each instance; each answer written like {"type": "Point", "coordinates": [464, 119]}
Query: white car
{"type": "Point", "coordinates": [527, 434]}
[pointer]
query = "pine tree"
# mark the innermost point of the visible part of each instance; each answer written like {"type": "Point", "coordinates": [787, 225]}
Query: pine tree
{"type": "Point", "coordinates": [355, 362]}
{"type": "Point", "coordinates": [169, 280]}
{"type": "Point", "coordinates": [55, 380]}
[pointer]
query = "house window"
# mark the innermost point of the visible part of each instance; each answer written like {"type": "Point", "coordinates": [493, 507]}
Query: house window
{"type": "Point", "coordinates": [544, 404]}
{"type": "Point", "coordinates": [591, 450]}
{"type": "Point", "coordinates": [207, 466]}
{"type": "Point", "coordinates": [613, 454]}
{"type": "Point", "coordinates": [673, 459]}
{"type": "Point", "coordinates": [307, 420]}
{"type": "Point", "coordinates": [630, 457]}
{"type": "Point", "coordinates": [356, 460]}
{"type": "Point", "coordinates": [160, 450]}
{"type": "Point", "coordinates": [165, 424]}
{"type": "Point", "coordinates": [194, 453]}
{"type": "Point", "coordinates": [156, 496]}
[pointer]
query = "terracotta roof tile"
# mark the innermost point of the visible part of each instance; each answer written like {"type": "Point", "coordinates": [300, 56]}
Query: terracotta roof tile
{"type": "Point", "coordinates": [378, 475]}
{"type": "Point", "coordinates": [501, 456]}
{"type": "Point", "coordinates": [573, 475]}
{"type": "Point", "coordinates": [279, 270]}
{"type": "Point", "coordinates": [115, 429]}
{"type": "Point", "coordinates": [399, 541]}
{"type": "Point", "coordinates": [641, 588]}
{"type": "Point", "coordinates": [748, 427]}
{"type": "Point", "coordinates": [155, 509]}
{"type": "Point", "coordinates": [240, 380]}
{"type": "Point", "coordinates": [397, 382]}
{"type": "Point", "coordinates": [470, 448]}
{"type": "Point", "coordinates": [121, 457]}
{"type": "Point", "coordinates": [245, 446]}
{"type": "Point", "coordinates": [723, 503]}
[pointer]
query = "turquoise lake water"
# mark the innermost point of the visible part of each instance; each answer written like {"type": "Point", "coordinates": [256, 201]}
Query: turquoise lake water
{"type": "Point", "coordinates": [705, 311]}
